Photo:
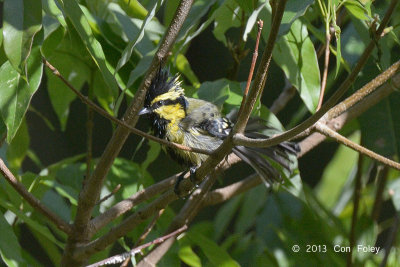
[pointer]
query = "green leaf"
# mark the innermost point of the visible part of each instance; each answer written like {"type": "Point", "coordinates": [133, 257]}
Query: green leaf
{"type": "Point", "coordinates": [216, 92]}
{"type": "Point", "coordinates": [81, 24]}
{"type": "Point", "coordinates": [32, 223]}
{"type": "Point", "coordinates": [126, 54]}
{"type": "Point", "coordinates": [224, 216]}
{"type": "Point", "coordinates": [252, 20]}
{"type": "Point", "coordinates": [133, 8]}
{"type": "Point", "coordinates": [293, 10]}
{"type": "Point", "coordinates": [380, 127]}
{"type": "Point", "coordinates": [16, 93]}
{"type": "Point", "coordinates": [225, 18]}
{"type": "Point", "coordinates": [10, 250]}
{"type": "Point", "coordinates": [187, 255]}
{"type": "Point", "coordinates": [18, 148]}
{"type": "Point", "coordinates": [214, 253]}
{"type": "Point", "coordinates": [356, 9]}
{"type": "Point", "coordinates": [252, 203]}
{"type": "Point", "coordinates": [295, 54]}
{"type": "Point", "coordinates": [22, 20]}
{"type": "Point", "coordinates": [336, 173]}
{"type": "Point", "coordinates": [76, 72]}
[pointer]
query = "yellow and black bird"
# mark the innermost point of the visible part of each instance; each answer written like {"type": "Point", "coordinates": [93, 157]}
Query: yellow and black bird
{"type": "Point", "coordinates": [199, 124]}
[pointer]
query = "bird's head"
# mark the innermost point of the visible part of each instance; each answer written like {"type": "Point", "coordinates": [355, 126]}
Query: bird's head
{"type": "Point", "coordinates": [165, 98]}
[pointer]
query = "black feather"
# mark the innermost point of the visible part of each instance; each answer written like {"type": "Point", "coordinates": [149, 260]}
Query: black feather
{"type": "Point", "coordinates": [160, 84]}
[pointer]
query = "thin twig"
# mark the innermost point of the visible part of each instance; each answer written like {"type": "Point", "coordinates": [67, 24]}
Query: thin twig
{"type": "Point", "coordinates": [262, 71]}
{"type": "Point", "coordinates": [185, 216]}
{"type": "Point", "coordinates": [32, 200]}
{"type": "Point", "coordinates": [355, 105]}
{"type": "Point", "coordinates": [119, 258]}
{"type": "Point", "coordinates": [127, 204]}
{"type": "Point", "coordinates": [356, 204]}
{"type": "Point", "coordinates": [240, 139]}
{"type": "Point", "coordinates": [144, 235]}
{"type": "Point", "coordinates": [325, 72]}
{"type": "Point", "coordinates": [325, 130]}
{"type": "Point", "coordinates": [113, 192]}
{"type": "Point", "coordinates": [82, 252]}
{"type": "Point", "coordinates": [121, 123]}
{"type": "Point", "coordinates": [260, 24]}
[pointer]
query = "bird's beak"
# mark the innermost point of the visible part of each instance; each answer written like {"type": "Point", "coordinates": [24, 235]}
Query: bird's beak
{"type": "Point", "coordinates": [144, 111]}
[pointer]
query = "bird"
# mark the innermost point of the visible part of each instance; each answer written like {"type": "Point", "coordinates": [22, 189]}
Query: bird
{"type": "Point", "coordinates": [199, 124]}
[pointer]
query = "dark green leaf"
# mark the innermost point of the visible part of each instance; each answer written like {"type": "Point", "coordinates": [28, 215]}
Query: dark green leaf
{"type": "Point", "coordinates": [22, 20]}
{"type": "Point", "coordinates": [224, 216]}
{"type": "Point", "coordinates": [32, 223]}
{"type": "Point", "coordinates": [81, 24]}
{"type": "Point", "coordinates": [16, 93]}
{"type": "Point", "coordinates": [126, 55]}
{"type": "Point", "coordinates": [17, 149]}
{"type": "Point", "coordinates": [295, 54]}
{"type": "Point", "coordinates": [293, 10]}
{"type": "Point", "coordinates": [380, 126]}
{"type": "Point", "coordinates": [226, 17]}
{"type": "Point", "coordinates": [214, 253]}
{"type": "Point", "coordinates": [60, 95]}
{"type": "Point", "coordinates": [10, 250]}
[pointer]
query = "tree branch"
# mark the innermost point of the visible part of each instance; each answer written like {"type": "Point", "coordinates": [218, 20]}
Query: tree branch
{"type": "Point", "coordinates": [240, 139]}
{"type": "Point", "coordinates": [262, 71]}
{"type": "Point", "coordinates": [185, 216]}
{"type": "Point", "coordinates": [325, 130]}
{"type": "Point", "coordinates": [355, 105]}
{"type": "Point", "coordinates": [325, 72]}
{"type": "Point", "coordinates": [119, 258]}
{"type": "Point", "coordinates": [32, 200]}
{"type": "Point", "coordinates": [90, 193]}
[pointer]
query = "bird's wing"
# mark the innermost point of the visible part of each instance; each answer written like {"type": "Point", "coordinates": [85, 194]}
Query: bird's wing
{"type": "Point", "coordinates": [205, 118]}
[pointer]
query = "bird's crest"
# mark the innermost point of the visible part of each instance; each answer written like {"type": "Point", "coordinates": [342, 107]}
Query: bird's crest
{"type": "Point", "coordinates": [163, 87]}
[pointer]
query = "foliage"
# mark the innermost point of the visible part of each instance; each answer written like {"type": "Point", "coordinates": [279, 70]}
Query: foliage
{"type": "Point", "coordinates": [104, 48]}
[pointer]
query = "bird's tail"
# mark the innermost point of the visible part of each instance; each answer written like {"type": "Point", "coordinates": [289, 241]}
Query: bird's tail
{"type": "Point", "coordinates": [263, 160]}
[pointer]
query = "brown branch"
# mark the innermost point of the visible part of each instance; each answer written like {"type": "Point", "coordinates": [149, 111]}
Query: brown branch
{"type": "Point", "coordinates": [185, 216]}
{"type": "Point", "coordinates": [325, 130]}
{"type": "Point", "coordinates": [122, 123]}
{"type": "Point", "coordinates": [260, 24]}
{"type": "Point", "coordinates": [133, 220]}
{"type": "Point", "coordinates": [240, 139]}
{"type": "Point", "coordinates": [127, 204]}
{"type": "Point", "coordinates": [261, 76]}
{"type": "Point", "coordinates": [282, 100]}
{"type": "Point", "coordinates": [33, 201]}
{"type": "Point", "coordinates": [225, 193]}
{"type": "Point", "coordinates": [325, 72]}
{"type": "Point", "coordinates": [119, 258]}
{"type": "Point", "coordinates": [90, 193]}
{"type": "Point", "coordinates": [144, 235]}
{"type": "Point", "coordinates": [355, 105]}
